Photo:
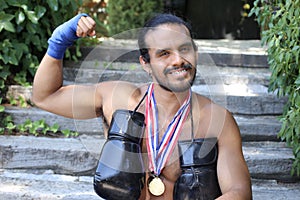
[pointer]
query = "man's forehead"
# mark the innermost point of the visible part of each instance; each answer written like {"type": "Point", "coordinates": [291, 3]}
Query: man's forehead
{"type": "Point", "coordinates": [167, 36]}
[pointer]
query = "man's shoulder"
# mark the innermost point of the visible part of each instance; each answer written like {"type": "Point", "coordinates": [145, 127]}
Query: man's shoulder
{"type": "Point", "coordinates": [209, 106]}
{"type": "Point", "coordinates": [111, 86]}
{"type": "Point", "coordinates": [120, 89]}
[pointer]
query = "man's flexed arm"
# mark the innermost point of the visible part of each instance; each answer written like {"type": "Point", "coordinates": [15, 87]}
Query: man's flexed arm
{"type": "Point", "coordinates": [48, 92]}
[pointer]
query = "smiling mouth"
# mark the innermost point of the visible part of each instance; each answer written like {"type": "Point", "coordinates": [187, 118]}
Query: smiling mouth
{"type": "Point", "coordinates": [177, 71]}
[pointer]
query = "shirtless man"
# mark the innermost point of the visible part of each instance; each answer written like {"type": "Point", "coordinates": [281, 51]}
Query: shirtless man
{"type": "Point", "coordinates": [169, 55]}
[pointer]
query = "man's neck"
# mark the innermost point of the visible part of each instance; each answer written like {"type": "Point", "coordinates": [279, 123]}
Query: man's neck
{"type": "Point", "coordinates": [167, 101]}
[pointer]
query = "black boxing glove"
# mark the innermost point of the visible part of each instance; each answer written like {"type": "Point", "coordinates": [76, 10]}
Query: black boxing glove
{"type": "Point", "coordinates": [198, 162]}
{"type": "Point", "coordinates": [120, 172]}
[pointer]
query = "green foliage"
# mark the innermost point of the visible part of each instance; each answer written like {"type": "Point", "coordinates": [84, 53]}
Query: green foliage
{"type": "Point", "coordinates": [280, 23]}
{"type": "Point", "coordinates": [7, 126]}
{"type": "Point", "coordinates": [20, 101]}
{"type": "Point", "coordinates": [41, 127]}
{"type": "Point", "coordinates": [25, 27]}
{"type": "Point", "coordinates": [124, 15]}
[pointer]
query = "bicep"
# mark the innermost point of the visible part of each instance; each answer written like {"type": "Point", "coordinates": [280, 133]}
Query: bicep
{"type": "Point", "coordinates": [78, 102]}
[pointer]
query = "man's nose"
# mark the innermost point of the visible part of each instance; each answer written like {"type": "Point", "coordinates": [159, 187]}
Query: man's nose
{"type": "Point", "coordinates": [177, 59]}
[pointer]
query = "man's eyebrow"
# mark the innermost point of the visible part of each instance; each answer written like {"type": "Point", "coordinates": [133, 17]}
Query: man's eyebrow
{"type": "Point", "coordinates": [159, 51]}
{"type": "Point", "coordinates": [186, 44]}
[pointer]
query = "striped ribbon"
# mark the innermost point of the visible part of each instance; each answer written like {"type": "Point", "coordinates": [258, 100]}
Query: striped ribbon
{"type": "Point", "coordinates": [159, 153]}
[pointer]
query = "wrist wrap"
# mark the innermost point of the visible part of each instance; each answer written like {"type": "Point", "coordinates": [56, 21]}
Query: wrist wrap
{"type": "Point", "coordinates": [63, 37]}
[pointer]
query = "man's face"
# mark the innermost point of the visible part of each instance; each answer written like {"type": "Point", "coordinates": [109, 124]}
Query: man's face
{"type": "Point", "coordinates": [172, 57]}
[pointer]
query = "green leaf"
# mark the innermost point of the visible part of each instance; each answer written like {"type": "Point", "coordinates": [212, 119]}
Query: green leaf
{"type": "Point", "coordinates": [17, 3]}
{"type": "Point", "coordinates": [21, 48]}
{"type": "Point", "coordinates": [54, 128]}
{"type": "Point", "coordinates": [25, 7]}
{"type": "Point", "coordinates": [40, 11]}
{"type": "Point", "coordinates": [31, 29]}
{"type": "Point", "coordinates": [53, 4]}
{"type": "Point", "coordinates": [20, 17]}
{"type": "Point", "coordinates": [3, 5]}
{"type": "Point", "coordinates": [12, 58]}
{"type": "Point", "coordinates": [2, 108]}
{"type": "Point", "coordinates": [9, 27]}
{"type": "Point", "coordinates": [298, 80]}
{"type": "Point", "coordinates": [64, 3]}
{"type": "Point", "coordinates": [295, 48]}
{"type": "Point", "coordinates": [4, 74]}
{"type": "Point", "coordinates": [32, 17]}
{"type": "Point", "coordinates": [5, 22]}
{"type": "Point", "coordinates": [66, 132]}
{"type": "Point", "coordinates": [10, 126]}
{"type": "Point", "coordinates": [5, 17]}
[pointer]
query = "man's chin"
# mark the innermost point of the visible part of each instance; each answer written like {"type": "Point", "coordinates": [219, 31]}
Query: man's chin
{"type": "Point", "coordinates": [178, 88]}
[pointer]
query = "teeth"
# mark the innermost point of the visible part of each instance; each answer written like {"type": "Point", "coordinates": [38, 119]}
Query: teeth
{"type": "Point", "coordinates": [178, 72]}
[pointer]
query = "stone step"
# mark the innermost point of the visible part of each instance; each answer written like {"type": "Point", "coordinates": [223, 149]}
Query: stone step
{"type": "Point", "coordinates": [217, 52]}
{"type": "Point", "coordinates": [87, 72]}
{"type": "Point", "coordinates": [258, 128]}
{"type": "Point", "coordinates": [79, 156]}
{"type": "Point", "coordinates": [253, 105]}
{"type": "Point", "coordinates": [44, 184]}
{"type": "Point", "coordinates": [253, 128]}
{"type": "Point", "coordinates": [242, 99]}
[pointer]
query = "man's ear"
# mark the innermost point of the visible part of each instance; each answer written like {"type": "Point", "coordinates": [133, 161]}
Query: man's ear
{"type": "Point", "coordinates": [145, 64]}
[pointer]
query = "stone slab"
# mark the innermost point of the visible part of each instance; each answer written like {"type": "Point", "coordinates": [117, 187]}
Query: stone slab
{"type": "Point", "coordinates": [271, 189]}
{"type": "Point", "coordinates": [269, 160]}
{"type": "Point", "coordinates": [89, 126]}
{"type": "Point", "coordinates": [243, 99]}
{"type": "Point", "coordinates": [20, 185]}
{"type": "Point", "coordinates": [96, 71]}
{"type": "Point", "coordinates": [248, 53]}
{"type": "Point", "coordinates": [79, 157]}
{"type": "Point", "coordinates": [258, 128]}
{"type": "Point", "coordinates": [45, 185]}
{"type": "Point", "coordinates": [253, 128]}
{"type": "Point", "coordinates": [63, 155]}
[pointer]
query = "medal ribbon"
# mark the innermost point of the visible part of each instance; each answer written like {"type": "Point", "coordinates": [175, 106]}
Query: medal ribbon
{"type": "Point", "coordinates": [159, 153]}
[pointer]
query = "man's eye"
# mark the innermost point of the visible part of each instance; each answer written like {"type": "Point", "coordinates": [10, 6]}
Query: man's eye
{"type": "Point", "coordinates": [164, 53]}
{"type": "Point", "coordinates": [185, 49]}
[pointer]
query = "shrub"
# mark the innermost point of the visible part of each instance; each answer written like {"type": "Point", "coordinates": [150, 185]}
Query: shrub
{"type": "Point", "coordinates": [280, 21]}
{"type": "Point", "coordinates": [125, 15]}
{"type": "Point", "coordinates": [25, 27]}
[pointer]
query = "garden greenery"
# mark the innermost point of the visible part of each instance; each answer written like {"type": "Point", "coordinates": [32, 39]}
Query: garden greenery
{"type": "Point", "coordinates": [25, 26]}
{"type": "Point", "coordinates": [124, 15]}
{"type": "Point", "coordinates": [280, 24]}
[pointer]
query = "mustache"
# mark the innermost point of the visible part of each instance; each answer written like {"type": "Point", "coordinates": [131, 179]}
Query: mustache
{"type": "Point", "coordinates": [185, 66]}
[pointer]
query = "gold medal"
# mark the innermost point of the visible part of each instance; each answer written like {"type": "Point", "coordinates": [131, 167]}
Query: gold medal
{"type": "Point", "coordinates": [156, 186]}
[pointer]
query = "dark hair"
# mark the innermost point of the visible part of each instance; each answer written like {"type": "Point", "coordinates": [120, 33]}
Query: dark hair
{"type": "Point", "coordinates": [154, 22]}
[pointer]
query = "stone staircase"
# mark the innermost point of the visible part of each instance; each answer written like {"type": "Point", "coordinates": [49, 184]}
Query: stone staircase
{"type": "Point", "coordinates": [231, 73]}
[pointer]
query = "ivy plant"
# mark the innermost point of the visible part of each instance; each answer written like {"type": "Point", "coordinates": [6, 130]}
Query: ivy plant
{"type": "Point", "coordinates": [280, 24]}
{"type": "Point", "coordinates": [25, 26]}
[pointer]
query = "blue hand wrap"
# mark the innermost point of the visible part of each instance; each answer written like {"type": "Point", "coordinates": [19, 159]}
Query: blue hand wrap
{"type": "Point", "coordinates": [63, 37]}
